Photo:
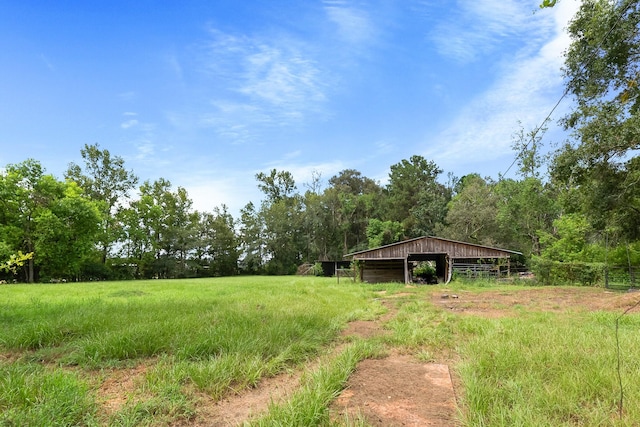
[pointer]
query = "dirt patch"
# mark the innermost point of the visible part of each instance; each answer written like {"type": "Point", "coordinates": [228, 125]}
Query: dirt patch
{"type": "Point", "coordinates": [506, 303]}
{"type": "Point", "coordinates": [233, 410]}
{"type": "Point", "coordinates": [398, 391]}
{"type": "Point", "coordinates": [119, 386]}
{"type": "Point", "coordinates": [370, 328]}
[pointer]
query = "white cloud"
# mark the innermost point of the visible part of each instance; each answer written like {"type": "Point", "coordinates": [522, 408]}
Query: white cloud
{"type": "Point", "coordinates": [354, 25]}
{"type": "Point", "coordinates": [128, 124]}
{"type": "Point", "coordinates": [263, 80]}
{"type": "Point", "coordinates": [208, 193]}
{"type": "Point", "coordinates": [284, 79]}
{"type": "Point", "coordinates": [524, 90]}
{"type": "Point", "coordinates": [479, 26]}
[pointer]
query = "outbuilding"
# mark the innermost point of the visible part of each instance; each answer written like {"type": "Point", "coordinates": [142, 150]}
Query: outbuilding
{"type": "Point", "coordinates": [395, 262]}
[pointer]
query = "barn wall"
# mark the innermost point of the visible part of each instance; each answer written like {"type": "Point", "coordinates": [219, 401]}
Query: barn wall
{"type": "Point", "coordinates": [383, 271]}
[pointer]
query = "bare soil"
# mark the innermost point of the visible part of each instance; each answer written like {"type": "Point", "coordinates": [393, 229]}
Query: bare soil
{"type": "Point", "coordinates": [398, 390]}
{"type": "Point", "coordinates": [506, 302]}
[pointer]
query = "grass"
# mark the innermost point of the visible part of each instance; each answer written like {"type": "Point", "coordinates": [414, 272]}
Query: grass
{"type": "Point", "coordinates": [216, 336]}
{"type": "Point", "coordinates": [309, 405]}
{"type": "Point", "coordinates": [549, 370]}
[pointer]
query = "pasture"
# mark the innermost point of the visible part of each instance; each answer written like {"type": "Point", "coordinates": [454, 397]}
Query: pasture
{"type": "Point", "coordinates": [273, 351]}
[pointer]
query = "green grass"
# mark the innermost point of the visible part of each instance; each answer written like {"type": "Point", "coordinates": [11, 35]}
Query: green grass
{"type": "Point", "coordinates": [549, 369]}
{"type": "Point", "coordinates": [309, 405]}
{"type": "Point", "coordinates": [216, 335]}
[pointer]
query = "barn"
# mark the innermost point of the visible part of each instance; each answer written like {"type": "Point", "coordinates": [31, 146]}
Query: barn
{"type": "Point", "coordinates": [396, 262]}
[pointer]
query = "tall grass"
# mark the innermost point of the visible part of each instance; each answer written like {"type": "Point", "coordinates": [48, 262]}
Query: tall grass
{"type": "Point", "coordinates": [550, 370]}
{"type": "Point", "coordinates": [217, 335]}
{"type": "Point", "coordinates": [30, 395]}
{"type": "Point", "coordinates": [309, 405]}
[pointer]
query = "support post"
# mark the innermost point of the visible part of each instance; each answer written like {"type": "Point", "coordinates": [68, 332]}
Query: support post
{"type": "Point", "coordinates": [406, 271]}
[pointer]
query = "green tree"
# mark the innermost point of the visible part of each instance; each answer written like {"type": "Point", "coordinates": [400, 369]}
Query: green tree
{"type": "Point", "coordinates": [601, 70]}
{"type": "Point", "coordinates": [160, 230]}
{"type": "Point", "coordinates": [106, 181]}
{"type": "Point", "coordinates": [472, 212]}
{"type": "Point", "coordinates": [380, 233]}
{"type": "Point", "coordinates": [524, 209]}
{"type": "Point", "coordinates": [251, 235]}
{"type": "Point", "coordinates": [218, 244]}
{"type": "Point", "coordinates": [13, 261]}
{"type": "Point", "coordinates": [49, 218]}
{"type": "Point", "coordinates": [66, 233]}
{"type": "Point", "coordinates": [569, 239]}
{"type": "Point", "coordinates": [351, 200]}
{"type": "Point", "coordinates": [281, 214]}
{"type": "Point", "coordinates": [415, 197]}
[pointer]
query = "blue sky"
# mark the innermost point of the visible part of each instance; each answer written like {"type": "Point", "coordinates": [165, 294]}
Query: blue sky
{"type": "Point", "coordinates": [208, 93]}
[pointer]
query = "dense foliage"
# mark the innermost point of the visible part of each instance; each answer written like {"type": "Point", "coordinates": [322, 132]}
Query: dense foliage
{"type": "Point", "coordinates": [88, 227]}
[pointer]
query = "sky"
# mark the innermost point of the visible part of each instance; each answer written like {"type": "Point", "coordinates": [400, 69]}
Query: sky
{"type": "Point", "coordinates": [209, 93]}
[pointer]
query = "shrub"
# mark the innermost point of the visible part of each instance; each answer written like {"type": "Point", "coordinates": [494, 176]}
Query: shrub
{"type": "Point", "coordinates": [549, 272]}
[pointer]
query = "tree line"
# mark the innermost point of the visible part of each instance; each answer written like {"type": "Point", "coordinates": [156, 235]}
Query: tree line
{"type": "Point", "coordinates": [579, 203]}
{"type": "Point", "coordinates": [90, 226]}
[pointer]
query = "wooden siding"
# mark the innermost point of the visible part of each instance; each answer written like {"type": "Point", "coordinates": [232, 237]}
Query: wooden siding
{"type": "Point", "coordinates": [383, 271]}
{"type": "Point", "coordinates": [431, 245]}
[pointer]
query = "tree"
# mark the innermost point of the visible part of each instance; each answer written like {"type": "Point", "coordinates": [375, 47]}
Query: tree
{"type": "Point", "coordinates": [380, 233]}
{"type": "Point", "coordinates": [13, 261]}
{"type": "Point", "coordinates": [54, 220]}
{"type": "Point", "coordinates": [569, 239]}
{"type": "Point", "coordinates": [66, 233]}
{"type": "Point", "coordinates": [218, 247]}
{"type": "Point", "coordinates": [281, 213]}
{"type": "Point", "coordinates": [472, 212]}
{"type": "Point", "coordinates": [277, 185]}
{"type": "Point", "coordinates": [106, 181]}
{"type": "Point", "coordinates": [160, 230]}
{"type": "Point", "coordinates": [527, 148]}
{"type": "Point", "coordinates": [351, 200]}
{"type": "Point", "coordinates": [252, 247]}
{"type": "Point", "coordinates": [415, 198]}
{"type": "Point", "coordinates": [601, 69]}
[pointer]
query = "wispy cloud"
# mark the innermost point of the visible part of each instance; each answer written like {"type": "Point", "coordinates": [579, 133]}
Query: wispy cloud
{"type": "Point", "coordinates": [354, 25]}
{"type": "Point", "coordinates": [47, 63]}
{"type": "Point", "coordinates": [127, 96]}
{"type": "Point", "coordinates": [128, 124]}
{"type": "Point", "coordinates": [525, 90]}
{"type": "Point", "coordinates": [479, 26]}
{"type": "Point", "coordinates": [261, 82]}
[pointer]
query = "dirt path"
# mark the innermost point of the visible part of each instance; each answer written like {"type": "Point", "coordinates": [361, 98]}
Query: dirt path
{"type": "Point", "coordinates": [397, 390]}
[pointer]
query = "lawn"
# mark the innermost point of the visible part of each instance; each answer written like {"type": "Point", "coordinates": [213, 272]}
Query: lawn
{"type": "Point", "coordinates": [155, 352]}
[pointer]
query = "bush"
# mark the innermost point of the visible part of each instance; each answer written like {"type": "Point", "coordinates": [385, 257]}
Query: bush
{"type": "Point", "coordinates": [426, 272]}
{"type": "Point", "coordinates": [549, 272]}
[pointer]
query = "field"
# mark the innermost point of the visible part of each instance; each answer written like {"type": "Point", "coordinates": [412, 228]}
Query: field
{"type": "Point", "coordinates": [308, 351]}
